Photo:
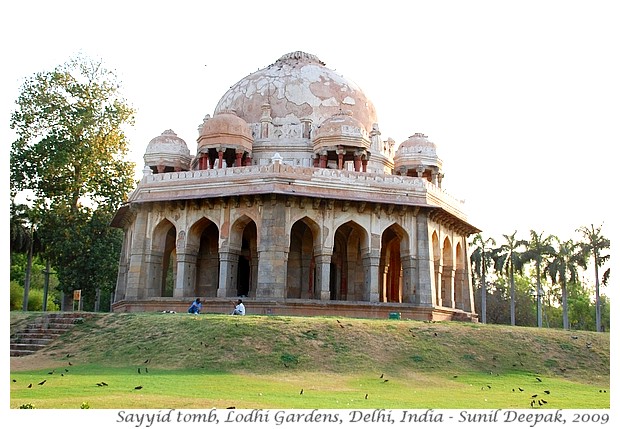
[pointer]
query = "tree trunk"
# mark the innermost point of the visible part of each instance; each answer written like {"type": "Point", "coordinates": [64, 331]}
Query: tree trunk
{"type": "Point", "coordinates": [598, 297]}
{"type": "Point", "coordinates": [483, 299]}
{"type": "Point", "coordinates": [28, 272]}
{"type": "Point", "coordinates": [512, 297]}
{"type": "Point", "coordinates": [564, 306]}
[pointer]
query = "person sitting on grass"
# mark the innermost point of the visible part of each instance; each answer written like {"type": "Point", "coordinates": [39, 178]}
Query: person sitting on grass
{"type": "Point", "coordinates": [239, 309]}
{"type": "Point", "coordinates": [195, 307]}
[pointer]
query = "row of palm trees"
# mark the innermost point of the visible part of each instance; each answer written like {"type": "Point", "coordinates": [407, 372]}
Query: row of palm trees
{"type": "Point", "coordinates": [554, 259]}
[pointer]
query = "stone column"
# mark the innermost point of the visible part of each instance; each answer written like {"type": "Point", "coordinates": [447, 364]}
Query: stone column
{"type": "Point", "coordinates": [323, 261]}
{"type": "Point", "coordinates": [123, 266]}
{"type": "Point", "coordinates": [409, 278]}
{"type": "Point", "coordinates": [137, 279]}
{"type": "Point", "coordinates": [185, 285]}
{"type": "Point", "coordinates": [238, 156]}
{"type": "Point", "coordinates": [273, 246]}
{"type": "Point", "coordinates": [448, 276]}
{"type": "Point", "coordinates": [426, 267]}
{"type": "Point", "coordinates": [228, 274]}
{"type": "Point", "coordinates": [370, 263]}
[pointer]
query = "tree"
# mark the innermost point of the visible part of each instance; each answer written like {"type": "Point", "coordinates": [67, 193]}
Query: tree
{"type": "Point", "coordinates": [508, 259]}
{"type": "Point", "coordinates": [539, 250]}
{"type": "Point", "coordinates": [70, 154]}
{"type": "Point", "coordinates": [594, 244]}
{"type": "Point", "coordinates": [564, 268]}
{"type": "Point", "coordinates": [481, 259]}
{"type": "Point", "coordinates": [24, 239]}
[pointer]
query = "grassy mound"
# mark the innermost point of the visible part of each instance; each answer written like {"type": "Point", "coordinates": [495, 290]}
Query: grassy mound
{"type": "Point", "coordinates": [280, 355]}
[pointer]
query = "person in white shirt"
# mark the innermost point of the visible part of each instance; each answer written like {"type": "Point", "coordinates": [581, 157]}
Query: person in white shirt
{"type": "Point", "coordinates": [239, 309]}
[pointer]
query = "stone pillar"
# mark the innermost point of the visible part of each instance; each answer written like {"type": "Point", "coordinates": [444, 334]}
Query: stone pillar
{"type": "Point", "coordinates": [364, 164]}
{"type": "Point", "coordinates": [426, 267]}
{"type": "Point", "coordinates": [370, 263]}
{"type": "Point", "coordinates": [439, 284]}
{"type": "Point", "coordinates": [408, 279]}
{"type": "Point", "coordinates": [123, 266]}
{"type": "Point", "coordinates": [340, 159]}
{"type": "Point", "coordinates": [228, 274]}
{"type": "Point", "coordinates": [357, 162]}
{"type": "Point", "coordinates": [185, 285]}
{"type": "Point", "coordinates": [137, 278]}
{"type": "Point", "coordinates": [220, 157]}
{"type": "Point", "coordinates": [323, 261]}
{"type": "Point", "coordinates": [323, 161]}
{"type": "Point", "coordinates": [273, 250]}
{"type": "Point", "coordinates": [448, 277]}
{"type": "Point", "coordinates": [306, 127]}
{"type": "Point", "coordinates": [238, 156]}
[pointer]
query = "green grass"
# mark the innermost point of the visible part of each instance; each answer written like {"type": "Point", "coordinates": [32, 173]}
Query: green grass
{"type": "Point", "coordinates": [219, 361]}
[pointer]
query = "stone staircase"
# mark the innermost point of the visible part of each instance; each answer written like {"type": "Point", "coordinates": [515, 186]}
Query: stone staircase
{"type": "Point", "coordinates": [45, 329]}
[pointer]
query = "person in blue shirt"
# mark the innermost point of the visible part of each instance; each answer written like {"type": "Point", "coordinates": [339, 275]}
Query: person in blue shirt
{"type": "Point", "coordinates": [195, 307]}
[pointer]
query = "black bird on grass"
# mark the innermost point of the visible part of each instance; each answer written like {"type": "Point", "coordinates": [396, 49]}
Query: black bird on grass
{"type": "Point", "coordinates": [534, 396]}
{"type": "Point", "coordinates": [520, 390]}
{"type": "Point", "coordinates": [381, 376]}
{"type": "Point", "coordinates": [30, 385]}
{"type": "Point", "coordinates": [366, 397]}
{"type": "Point", "coordinates": [42, 382]}
{"type": "Point", "coordinates": [139, 371]}
{"type": "Point", "coordinates": [147, 370]}
{"type": "Point", "coordinates": [547, 392]}
{"type": "Point", "coordinates": [538, 379]}
{"type": "Point", "coordinates": [147, 361]}
{"type": "Point", "coordinates": [230, 408]}
{"type": "Point", "coordinates": [542, 401]}
{"type": "Point", "coordinates": [14, 381]}
{"type": "Point", "coordinates": [386, 380]}
{"type": "Point", "coordinates": [301, 392]}
{"type": "Point", "coordinates": [103, 383]}
{"type": "Point", "coordinates": [137, 388]}
{"type": "Point", "coordinates": [51, 372]}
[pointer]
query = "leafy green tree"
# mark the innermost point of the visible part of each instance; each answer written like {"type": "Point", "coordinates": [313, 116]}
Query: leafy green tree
{"type": "Point", "coordinates": [594, 244]}
{"type": "Point", "coordinates": [481, 260]}
{"type": "Point", "coordinates": [539, 250]}
{"type": "Point", "coordinates": [70, 154]}
{"type": "Point", "coordinates": [508, 259]}
{"type": "Point", "coordinates": [564, 268]}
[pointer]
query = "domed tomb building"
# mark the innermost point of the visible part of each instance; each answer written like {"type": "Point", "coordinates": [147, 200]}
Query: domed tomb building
{"type": "Point", "coordinates": [295, 202]}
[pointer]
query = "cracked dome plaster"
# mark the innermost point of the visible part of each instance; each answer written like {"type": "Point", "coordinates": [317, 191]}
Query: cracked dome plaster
{"type": "Point", "coordinates": [297, 86]}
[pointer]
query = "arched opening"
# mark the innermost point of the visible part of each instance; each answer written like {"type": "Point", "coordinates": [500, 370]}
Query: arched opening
{"type": "Point", "coordinates": [390, 264]}
{"type": "Point", "coordinates": [346, 269]}
{"type": "Point", "coordinates": [301, 279]}
{"type": "Point", "coordinates": [243, 245]}
{"type": "Point", "coordinates": [163, 258]}
{"type": "Point", "coordinates": [206, 234]}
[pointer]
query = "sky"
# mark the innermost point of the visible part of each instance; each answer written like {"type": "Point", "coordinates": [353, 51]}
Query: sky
{"type": "Point", "coordinates": [520, 97]}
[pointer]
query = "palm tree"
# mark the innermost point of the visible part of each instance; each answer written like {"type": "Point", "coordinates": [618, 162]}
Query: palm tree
{"type": "Point", "coordinates": [594, 244]}
{"type": "Point", "coordinates": [539, 250]}
{"type": "Point", "coordinates": [481, 262]}
{"type": "Point", "coordinates": [564, 268]}
{"type": "Point", "coordinates": [508, 259]}
{"type": "Point", "coordinates": [24, 239]}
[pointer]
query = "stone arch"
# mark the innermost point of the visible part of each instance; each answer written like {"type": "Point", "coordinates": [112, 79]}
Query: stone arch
{"type": "Point", "coordinates": [203, 248]}
{"type": "Point", "coordinates": [243, 256]}
{"type": "Point", "coordinates": [301, 281]}
{"type": "Point", "coordinates": [346, 268]}
{"type": "Point", "coordinates": [447, 274]}
{"type": "Point", "coordinates": [394, 247]}
{"type": "Point", "coordinates": [163, 259]}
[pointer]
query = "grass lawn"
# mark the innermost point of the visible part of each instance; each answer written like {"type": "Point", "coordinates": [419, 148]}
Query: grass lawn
{"type": "Point", "coordinates": [256, 362]}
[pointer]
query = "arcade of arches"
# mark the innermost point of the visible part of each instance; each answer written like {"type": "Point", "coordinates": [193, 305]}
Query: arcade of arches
{"type": "Point", "coordinates": [294, 249]}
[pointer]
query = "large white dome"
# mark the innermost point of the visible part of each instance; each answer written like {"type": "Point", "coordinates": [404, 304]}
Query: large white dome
{"type": "Point", "coordinates": [297, 86]}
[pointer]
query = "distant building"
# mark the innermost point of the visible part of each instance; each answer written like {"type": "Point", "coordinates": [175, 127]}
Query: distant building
{"type": "Point", "coordinates": [294, 201]}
